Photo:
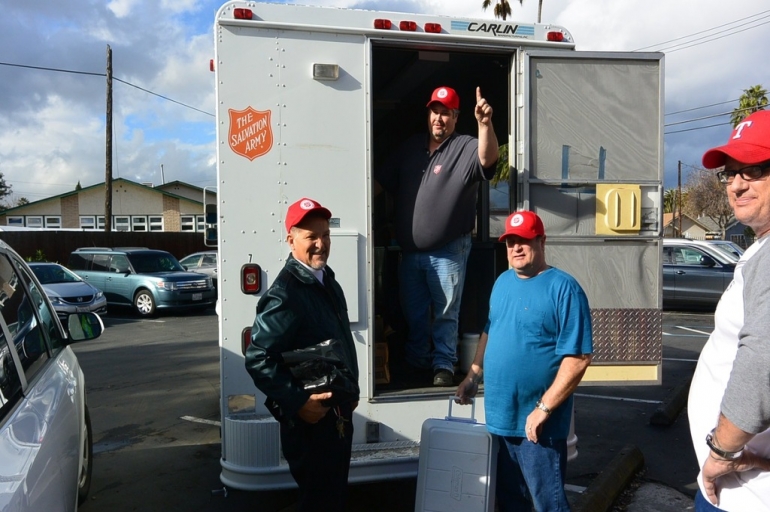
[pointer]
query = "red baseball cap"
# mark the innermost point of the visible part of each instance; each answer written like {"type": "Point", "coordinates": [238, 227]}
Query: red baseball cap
{"type": "Point", "coordinates": [525, 224]}
{"type": "Point", "coordinates": [301, 209]}
{"type": "Point", "coordinates": [446, 96]}
{"type": "Point", "coordinates": [748, 144]}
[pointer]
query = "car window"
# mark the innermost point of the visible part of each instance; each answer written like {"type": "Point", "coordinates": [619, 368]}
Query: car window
{"type": "Point", "coordinates": [119, 263]}
{"type": "Point", "coordinates": [190, 261]}
{"type": "Point", "coordinates": [210, 259]}
{"type": "Point", "coordinates": [101, 262]}
{"type": "Point", "coordinates": [50, 328]}
{"type": "Point", "coordinates": [79, 261]}
{"type": "Point", "coordinates": [688, 256]}
{"type": "Point", "coordinates": [154, 262]}
{"type": "Point", "coordinates": [22, 322]}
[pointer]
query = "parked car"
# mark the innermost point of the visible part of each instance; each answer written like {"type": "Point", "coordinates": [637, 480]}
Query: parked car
{"type": "Point", "coordinates": [730, 248]}
{"type": "Point", "coordinates": [145, 279]}
{"type": "Point", "coordinates": [46, 443]}
{"type": "Point", "coordinates": [67, 291]}
{"type": "Point", "coordinates": [694, 275]}
{"type": "Point", "coordinates": [204, 262]}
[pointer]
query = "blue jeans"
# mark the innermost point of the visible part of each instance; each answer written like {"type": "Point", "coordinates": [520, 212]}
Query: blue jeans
{"type": "Point", "coordinates": [531, 474]}
{"type": "Point", "coordinates": [702, 504]}
{"type": "Point", "coordinates": [433, 278]}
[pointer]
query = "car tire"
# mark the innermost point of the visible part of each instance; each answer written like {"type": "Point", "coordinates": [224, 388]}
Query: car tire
{"type": "Point", "coordinates": [144, 303]}
{"type": "Point", "coordinates": [86, 465]}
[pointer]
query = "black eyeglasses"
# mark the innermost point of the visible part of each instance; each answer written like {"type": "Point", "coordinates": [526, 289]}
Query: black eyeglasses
{"type": "Point", "coordinates": [749, 173]}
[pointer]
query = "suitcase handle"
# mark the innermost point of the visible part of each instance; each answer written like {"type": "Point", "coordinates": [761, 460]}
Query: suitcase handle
{"type": "Point", "coordinates": [472, 419]}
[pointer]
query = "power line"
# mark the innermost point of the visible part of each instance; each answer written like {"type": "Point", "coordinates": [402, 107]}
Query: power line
{"type": "Point", "coordinates": [736, 31]}
{"type": "Point", "coordinates": [703, 31]}
{"type": "Point", "coordinates": [57, 70]}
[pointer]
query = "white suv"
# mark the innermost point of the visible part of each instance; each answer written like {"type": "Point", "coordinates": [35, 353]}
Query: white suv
{"type": "Point", "coordinates": [45, 430]}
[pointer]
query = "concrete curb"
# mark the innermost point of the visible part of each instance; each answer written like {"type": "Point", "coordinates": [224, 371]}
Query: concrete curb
{"type": "Point", "coordinates": [611, 482]}
{"type": "Point", "coordinates": [669, 411]}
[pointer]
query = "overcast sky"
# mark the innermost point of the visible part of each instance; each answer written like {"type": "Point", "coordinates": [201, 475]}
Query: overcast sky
{"type": "Point", "coordinates": [52, 123]}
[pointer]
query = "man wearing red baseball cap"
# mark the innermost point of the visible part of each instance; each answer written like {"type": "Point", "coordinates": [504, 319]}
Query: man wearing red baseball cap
{"type": "Point", "coordinates": [434, 181]}
{"type": "Point", "coordinates": [729, 402]}
{"type": "Point", "coordinates": [303, 307]}
{"type": "Point", "coordinates": [534, 351]}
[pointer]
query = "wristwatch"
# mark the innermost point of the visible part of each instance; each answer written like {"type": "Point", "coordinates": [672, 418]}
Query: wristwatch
{"type": "Point", "coordinates": [722, 453]}
{"type": "Point", "coordinates": [540, 405]}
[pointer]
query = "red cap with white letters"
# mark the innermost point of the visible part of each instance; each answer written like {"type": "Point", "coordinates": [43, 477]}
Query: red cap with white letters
{"type": "Point", "coordinates": [525, 224]}
{"type": "Point", "coordinates": [446, 96]}
{"type": "Point", "coordinates": [301, 209]}
{"type": "Point", "coordinates": [748, 144]}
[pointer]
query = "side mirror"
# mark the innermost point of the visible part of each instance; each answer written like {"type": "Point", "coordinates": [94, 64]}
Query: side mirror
{"type": "Point", "coordinates": [84, 326]}
{"type": "Point", "coordinates": [707, 261]}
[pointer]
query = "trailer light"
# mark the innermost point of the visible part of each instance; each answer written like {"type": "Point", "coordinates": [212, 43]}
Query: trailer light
{"type": "Point", "coordinates": [211, 65]}
{"type": "Point", "coordinates": [245, 339]}
{"type": "Point", "coordinates": [433, 28]}
{"type": "Point", "coordinates": [555, 36]}
{"type": "Point", "coordinates": [326, 71]}
{"type": "Point", "coordinates": [251, 278]}
{"type": "Point", "coordinates": [382, 24]}
{"type": "Point", "coordinates": [408, 26]}
{"type": "Point", "coordinates": [242, 14]}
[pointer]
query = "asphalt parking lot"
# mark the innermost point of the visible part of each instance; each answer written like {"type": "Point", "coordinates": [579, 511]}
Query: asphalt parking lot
{"type": "Point", "coordinates": [153, 392]}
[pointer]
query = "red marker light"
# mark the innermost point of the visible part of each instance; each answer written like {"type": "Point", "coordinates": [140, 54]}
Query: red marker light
{"type": "Point", "coordinates": [382, 24]}
{"type": "Point", "coordinates": [245, 339]}
{"type": "Point", "coordinates": [433, 28]}
{"type": "Point", "coordinates": [211, 65]}
{"type": "Point", "coordinates": [251, 278]}
{"type": "Point", "coordinates": [242, 14]}
{"type": "Point", "coordinates": [555, 36]}
{"type": "Point", "coordinates": [408, 26]}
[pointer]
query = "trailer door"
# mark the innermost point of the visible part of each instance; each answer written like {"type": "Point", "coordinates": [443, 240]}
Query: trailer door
{"type": "Point", "coordinates": [589, 161]}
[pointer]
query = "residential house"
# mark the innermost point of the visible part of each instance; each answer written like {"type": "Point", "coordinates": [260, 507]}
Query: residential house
{"type": "Point", "coordinates": [175, 206]}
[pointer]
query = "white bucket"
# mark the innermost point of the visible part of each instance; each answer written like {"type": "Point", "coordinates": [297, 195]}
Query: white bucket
{"type": "Point", "coordinates": [467, 350]}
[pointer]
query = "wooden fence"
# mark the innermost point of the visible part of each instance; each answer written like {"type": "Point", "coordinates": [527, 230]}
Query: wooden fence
{"type": "Point", "coordinates": [56, 246]}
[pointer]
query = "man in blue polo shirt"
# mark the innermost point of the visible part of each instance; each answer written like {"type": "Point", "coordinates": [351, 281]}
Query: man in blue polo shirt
{"type": "Point", "coordinates": [434, 181]}
{"type": "Point", "coordinates": [533, 353]}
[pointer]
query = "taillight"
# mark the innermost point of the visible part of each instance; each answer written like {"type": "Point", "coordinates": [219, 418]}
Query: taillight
{"type": "Point", "coordinates": [408, 26]}
{"type": "Point", "coordinates": [242, 14]}
{"type": "Point", "coordinates": [245, 339]}
{"type": "Point", "coordinates": [382, 24]}
{"type": "Point", "coordinates": [251, 278]}
{"type": "Point", "coordinates": [555, 36]}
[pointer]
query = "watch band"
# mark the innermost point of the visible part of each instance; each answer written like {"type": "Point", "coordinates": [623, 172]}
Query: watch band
{"type": "Point", "coordinates": [722, 453]}
{"type": "Point", "coordinates": [540, 405]}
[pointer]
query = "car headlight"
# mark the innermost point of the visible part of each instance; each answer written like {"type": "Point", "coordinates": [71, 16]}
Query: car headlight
{"type": "Point", "coordinates": [56, 301]}
{"type": "Point", "coordinates": [99, 294]}
{"type": "Point", "coordinates": [166, 285]}
{"type": "Point", "coordinates": [209, 282]}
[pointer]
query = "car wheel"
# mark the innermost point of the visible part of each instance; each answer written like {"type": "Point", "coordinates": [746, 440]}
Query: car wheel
{"type": "Point", "coordinates": [86, 465]}
{"type": "Point", "coordinates": [144, 303]}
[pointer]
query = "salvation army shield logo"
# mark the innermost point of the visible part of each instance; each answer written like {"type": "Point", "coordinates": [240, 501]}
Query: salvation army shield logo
{"type": "Point", "coordinates": [250, 133]}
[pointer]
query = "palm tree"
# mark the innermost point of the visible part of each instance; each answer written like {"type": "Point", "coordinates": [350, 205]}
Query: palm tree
{"type": "Point", "coordinates": [503, 8]}
{"type": "Point", "coordinates": [754, 98]}
{"type": "Point", "coordinates": [670, 204]}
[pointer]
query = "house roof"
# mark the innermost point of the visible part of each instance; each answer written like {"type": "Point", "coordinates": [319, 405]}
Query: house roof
{"type": "Point", "coordinates": [116, 180]}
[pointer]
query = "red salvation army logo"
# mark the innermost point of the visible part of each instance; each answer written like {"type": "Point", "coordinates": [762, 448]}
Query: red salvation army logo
{"type": "Point", "coordinates": [517, 220]}
{"type": "Point", "coordinates": [442, 93]}
{"type": "Point", "coordinates": [307, 204]}
{"type": "Point", "coordinates": [250, 133]}
{"type": "Point", "coordinates": [437, 169]}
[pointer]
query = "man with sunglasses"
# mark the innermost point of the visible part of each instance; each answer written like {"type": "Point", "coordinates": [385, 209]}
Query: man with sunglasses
{"type": "Point", "coordinates": [729, 402]}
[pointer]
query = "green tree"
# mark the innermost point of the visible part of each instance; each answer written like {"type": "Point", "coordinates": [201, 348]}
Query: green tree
{"type": "Point", "coordinates": [670, 203]}
{"type": "Point", "coordinates": [78, 186]}
{"type": "Point", "coordinates": [503, 172]}
{"type": "Point", "coordinates": [503, 8]}
{"type": "Point", "coordinates": [5, 191]}
{"type": "Point", "coordinates": [754, 98]}
{"type": "Point", "coordinates": [706, 197]}
{"type": "Point", "coordinates": [22, 201]}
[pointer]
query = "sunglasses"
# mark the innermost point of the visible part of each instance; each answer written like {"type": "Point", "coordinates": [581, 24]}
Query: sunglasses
{"type": "Point", "coordinates": [749, 173]}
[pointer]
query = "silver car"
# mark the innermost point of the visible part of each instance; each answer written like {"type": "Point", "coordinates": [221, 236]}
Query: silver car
{"type": "Point", "coordinates": [204, 262]}
{"type": "Point", "coordinates": [68, 293]}
{"type": "Point", "coordinates": [45, 429]}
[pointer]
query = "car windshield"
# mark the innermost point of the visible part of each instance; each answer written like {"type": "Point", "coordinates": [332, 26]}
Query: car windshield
{"type": "Point", "coordinates": [148, 263]}
{"type": "Point", "coordinates": [52, 274]}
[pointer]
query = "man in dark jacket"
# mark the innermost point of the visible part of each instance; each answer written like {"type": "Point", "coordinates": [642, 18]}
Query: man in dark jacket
{"type": "Point", "coordinates": [303, 307]}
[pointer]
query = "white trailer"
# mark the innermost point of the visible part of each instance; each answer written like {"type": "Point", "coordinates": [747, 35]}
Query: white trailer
{"type": "Point", "coordinates": [311, 99]}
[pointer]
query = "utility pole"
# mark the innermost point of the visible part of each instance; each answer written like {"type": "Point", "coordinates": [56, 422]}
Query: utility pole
{"type": "Point", "coordinates": [679, 196]}
{"type": "Point", "coordinates": [108, 159]}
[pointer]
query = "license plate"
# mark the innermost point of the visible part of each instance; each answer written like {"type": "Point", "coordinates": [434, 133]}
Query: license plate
{"type": "Point", "coordinates": [81, 309]}
{"type": "Point", "coordinates": [197, 296]}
